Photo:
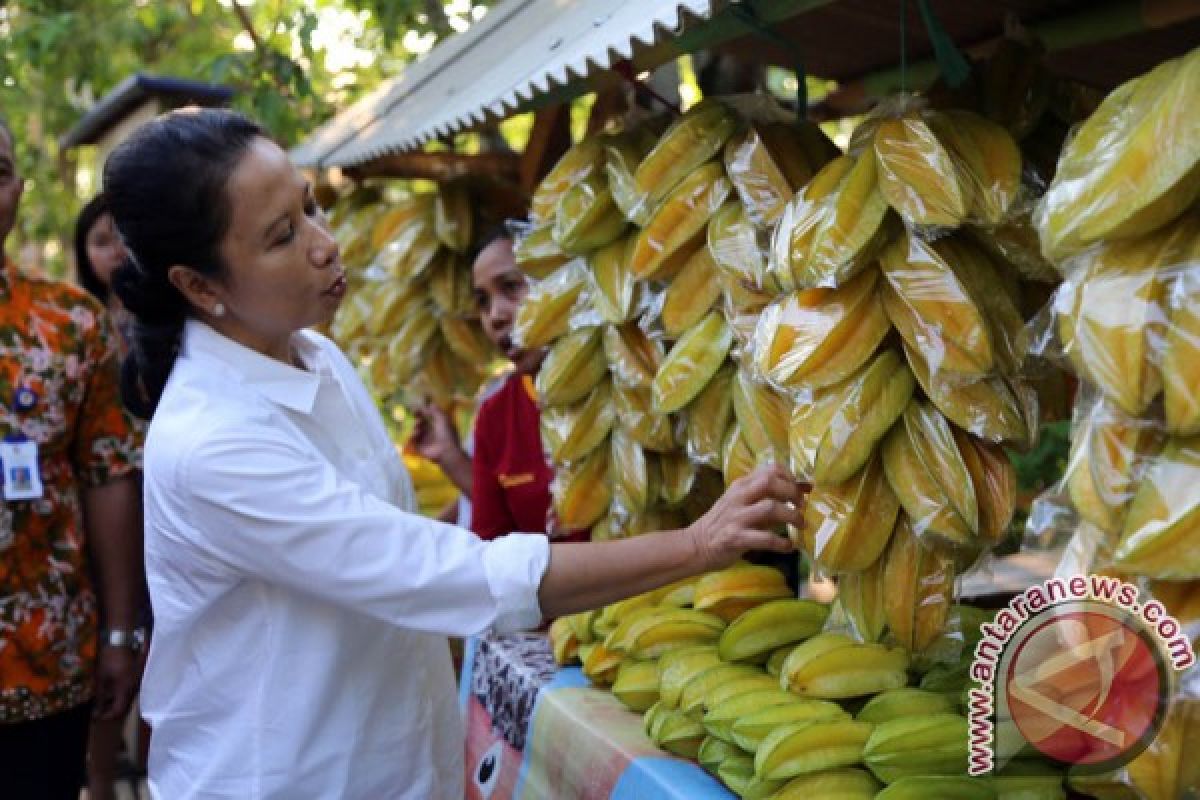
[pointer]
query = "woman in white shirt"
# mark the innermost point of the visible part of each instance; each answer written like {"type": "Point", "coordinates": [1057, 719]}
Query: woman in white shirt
{"type": "Point", "coordinates": [300, 607]}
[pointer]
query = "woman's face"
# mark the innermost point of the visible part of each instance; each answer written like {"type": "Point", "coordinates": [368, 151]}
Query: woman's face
{"type": "Point", "coordinates": [105, 251]}
{"type": "Point", "coordinates": [284, 271]}
{"type": "Point", "coordinates": [499, 289]}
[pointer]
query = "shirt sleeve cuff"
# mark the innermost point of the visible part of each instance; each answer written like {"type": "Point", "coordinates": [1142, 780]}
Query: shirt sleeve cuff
{"type": "Point", "coordinates": [514, 565]}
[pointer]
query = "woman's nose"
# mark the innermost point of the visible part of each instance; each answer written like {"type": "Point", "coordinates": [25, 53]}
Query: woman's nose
{"type": "Point", "coordinates": [324, 249]}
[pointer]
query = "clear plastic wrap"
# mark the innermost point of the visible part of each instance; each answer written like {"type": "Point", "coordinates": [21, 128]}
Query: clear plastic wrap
{"type": "Point", "coordinates": [678, 478]}
{"type": "Point", "coordinates": [623, 153]}
{"type": "Point", "coordinates": [994, 480]}
{"type": "Point", "coordinates": [863, 601]}
{"type": "Point", "coordinates": [1016, 243]}
{"type": "Point", "coordinates": [1180, 360]}
{"type": "Point", "coordinates": [586, 217]}
{"type": "Point", "coordinates": [634, 357]}
{"type": "Point", "coordinates": [920, 176]}
{"type": "Point", "coordinates": [581, 492]}
{"type": "Point", "coordinates": [763, 416]}
{"type": "Point", "coordinates": [574, 365]}
{"type": "Point", "coordinates": [918, 581]}
{"type": "Point", "coordinates": [444, 379]}
{"type": "Point", "coordinates": [571, 432]}
{"type": "Point", "coordinates": [545, 313]}
{"type": "Point", "coordinates": [832, 436]}
{"type": "Point", "coordinates": [581, 161]}
{"type": "Point", "coordinates": [411, 343]}
{"type": "Point", "coordinates": [354, 236]}
{"type": "Point", "coordinates": [690, 141]}
{"type": "Point", "coordinates": [466, 340]}
{"type": "Point", "coordinates": [692, 362]}
{"type": "Point", "coordinates": [410, 253]}
{"type": "Point", "coordinates": [833, 228]}
{"type": "Point", "coordinates": [770, 160]}
{"type": "Point", "coordinates": [416, 208]}
{"type": "Point", "coordinates": [1167, 768]}
{"type": "Point", "coordinates": [536, 252]}
{"type": "Point", "coordinates": [988, 162]}
{"type": "Point", "coordinates": [454, 216]}
{"type": "Point", "coordinates": [817, 337]}
{"type": "Point", "coordinates": [636, 476]}
{"type": "Point", "coordinates": [929, 476]}
{"type": "Point", "coordinates": [1111, 312]}
{"type": "Point", "coordinates": [691, 294]}
{"type": "Point", "coordinates": [388, 302]}
{"type": "Point", "coordinates": [1161, 535]}
{"type": "Point", "coordinates": [708, 418]}
{"type": "Point", "coordinates": [1131, 167]}
{"type": "Point", "coordinates": [737, 248]}
{"type": "Point", "coordinates": [952, 306]}
{"type": "Point", "coordinates": [737, 458]}
{"type": "Point", "coordinates": [995, 408]}
{"type": "Point", "coordinates": [1109, 454]}
{"type": "Point", "coordinates": [614, 286]}
{"type": "Point", "coordinates": [350, 323]}
{"type": "Point", "coordinates": [450, 286]}
{"type": "Point", "coordinates": [678, 225]}
{"type": "Point", "coordinates": [848, 524]}
{"type": "Point", "coordinates": [636, 416]}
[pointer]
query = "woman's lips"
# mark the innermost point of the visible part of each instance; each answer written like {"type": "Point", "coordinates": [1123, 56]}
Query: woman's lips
{"type": "Point", "coordinates": [338, 288]}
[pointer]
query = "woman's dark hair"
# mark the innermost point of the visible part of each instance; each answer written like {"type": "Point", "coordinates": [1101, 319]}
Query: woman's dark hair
{"type": "Point", "coordinates": [165, 186]}
{"type": "Point", "coordinates": [486, 238]}
{"type": "Point", "coordinates": [95, 208]}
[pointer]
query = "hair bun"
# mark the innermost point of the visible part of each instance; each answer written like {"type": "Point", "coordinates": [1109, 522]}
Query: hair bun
{"type": "Point", "coordinates": [148, 298]}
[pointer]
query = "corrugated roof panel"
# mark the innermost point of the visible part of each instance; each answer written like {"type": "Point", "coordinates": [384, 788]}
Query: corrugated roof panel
{"type": "Point", "coordinates": [521, 49]}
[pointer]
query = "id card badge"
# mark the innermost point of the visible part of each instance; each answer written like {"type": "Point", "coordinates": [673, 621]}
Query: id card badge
{"type": "Point", "coordinates": [22, 479]}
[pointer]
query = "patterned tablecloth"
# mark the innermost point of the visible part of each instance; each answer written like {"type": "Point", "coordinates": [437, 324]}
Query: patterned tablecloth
{"type": "Point", "coordinates": [536, 731]}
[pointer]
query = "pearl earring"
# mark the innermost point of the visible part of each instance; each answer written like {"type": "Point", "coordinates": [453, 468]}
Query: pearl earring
{"type": "Point", "coordinates": [219, 310]}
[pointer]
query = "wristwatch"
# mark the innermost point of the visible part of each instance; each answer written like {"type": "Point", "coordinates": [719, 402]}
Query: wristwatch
{"type": "Point", "coordinates": [134, 639]}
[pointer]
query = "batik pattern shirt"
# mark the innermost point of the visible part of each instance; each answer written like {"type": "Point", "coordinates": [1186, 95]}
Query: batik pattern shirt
{"type": "Point", "coordinates": [58, 343]}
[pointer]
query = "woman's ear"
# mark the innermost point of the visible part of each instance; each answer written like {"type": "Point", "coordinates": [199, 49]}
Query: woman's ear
{"type": "Point", "coordinates": [200, 291]}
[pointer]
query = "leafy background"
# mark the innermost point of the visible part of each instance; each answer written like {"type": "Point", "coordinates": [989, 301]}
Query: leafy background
{"type": "Point", "coordinates": [293, 64]}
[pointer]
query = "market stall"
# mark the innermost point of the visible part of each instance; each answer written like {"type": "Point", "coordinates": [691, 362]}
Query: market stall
{"type": "Point", "coordinates": [895, 315]}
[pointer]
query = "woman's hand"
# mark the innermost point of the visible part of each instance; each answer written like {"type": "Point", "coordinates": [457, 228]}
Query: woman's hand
{"type": "Point", "coordinates": [434, 436]}
{"type": "Point", "coordinates": [743, 517]}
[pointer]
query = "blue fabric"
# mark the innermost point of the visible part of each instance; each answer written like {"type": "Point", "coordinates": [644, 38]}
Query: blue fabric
{"type": "Point", "coordinates": [468, 672]}
{"type": "Point", "coordinates": [565, 678]}
{"type": "Point", "coordinates": [667, 778]}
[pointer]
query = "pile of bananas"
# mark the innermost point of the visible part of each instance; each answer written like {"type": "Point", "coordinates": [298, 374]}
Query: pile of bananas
{"type": "Point", "coordinates": [410, 317]}
{"type": "Point", "coordinates": [731, 671]}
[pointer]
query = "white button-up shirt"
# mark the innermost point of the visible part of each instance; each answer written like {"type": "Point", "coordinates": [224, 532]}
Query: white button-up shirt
{"type": "Point", "coordinates": [300, 608]}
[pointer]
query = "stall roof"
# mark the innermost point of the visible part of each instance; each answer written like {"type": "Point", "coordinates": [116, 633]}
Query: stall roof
{"type": "Point", "coordinates": [521, 49]}
{"type": "Point", "coordinates": [130, 93]}
{"type": "Point", "coordinates": [525, 53]}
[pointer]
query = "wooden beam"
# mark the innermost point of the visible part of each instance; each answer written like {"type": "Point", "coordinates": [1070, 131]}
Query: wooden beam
{"type": "Point", "coordinates": [549, 139]}
{"type": "Point", "coordinates": [438, 166]}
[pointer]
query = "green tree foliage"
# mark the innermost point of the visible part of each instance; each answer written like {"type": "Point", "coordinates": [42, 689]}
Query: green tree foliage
{"type": "Point", "coordinates": [60, 56]}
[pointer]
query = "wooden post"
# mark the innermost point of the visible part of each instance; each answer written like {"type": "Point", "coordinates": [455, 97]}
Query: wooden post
{"type": "Point", "coordinates": [549, 139]}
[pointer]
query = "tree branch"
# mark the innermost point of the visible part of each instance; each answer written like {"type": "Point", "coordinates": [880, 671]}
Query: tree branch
{"type": "Point", "coordinates": [248, 27]}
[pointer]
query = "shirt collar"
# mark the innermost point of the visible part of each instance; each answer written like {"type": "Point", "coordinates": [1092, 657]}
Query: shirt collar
{"type": "Point", "coordinates": [282, 384]}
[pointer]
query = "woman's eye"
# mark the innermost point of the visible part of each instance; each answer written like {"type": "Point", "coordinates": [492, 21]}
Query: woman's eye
{"type": "Point", "coordinates": [286, 236]}
{"type": "Point", "coordinates": [310, 207]}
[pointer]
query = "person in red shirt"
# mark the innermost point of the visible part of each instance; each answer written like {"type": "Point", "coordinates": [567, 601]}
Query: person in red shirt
{"type": "Point", "coordinates": [508, 476]}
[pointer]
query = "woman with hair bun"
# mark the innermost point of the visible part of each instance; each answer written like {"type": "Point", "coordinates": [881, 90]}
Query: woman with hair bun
{"type": "Point", "coordinates": [300, 605]}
